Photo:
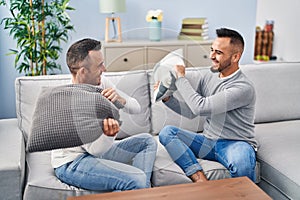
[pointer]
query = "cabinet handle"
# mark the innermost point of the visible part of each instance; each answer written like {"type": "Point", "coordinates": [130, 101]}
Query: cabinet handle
{"type": "Point", "coordinates": [205, 56]}
{"type": "Point", "coordinates": [125, 59]}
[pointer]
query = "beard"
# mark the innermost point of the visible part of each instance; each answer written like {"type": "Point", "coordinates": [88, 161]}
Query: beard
{"type": "Point", "coordinates": [219, 67]}
{"type": "Point", "coordinates": [214, 69]}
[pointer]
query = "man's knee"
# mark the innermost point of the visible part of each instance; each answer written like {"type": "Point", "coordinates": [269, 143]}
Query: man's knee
{"type": "Point", "coordinates": [243, 162]}
{"type": "Point", "coordinates": [138, 181]}
{"type": "Point", "coordinates": [151, 142]}
{"type": "Point", "coordinates": [166, 133]}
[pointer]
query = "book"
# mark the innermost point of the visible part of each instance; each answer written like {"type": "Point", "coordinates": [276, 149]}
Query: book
{"type": "Point", "coordinates": [196, 34]}
{"type": "Point", "coordinates": [199, 20]}
{"type": "Point", "coordinates": [195, 26]}
{"type": "Point", "coordinates": [190, 30]}
{"type": "Point", "coordinates": [192, 37]}
{"type": "Point", "coordinates": [194, 29]}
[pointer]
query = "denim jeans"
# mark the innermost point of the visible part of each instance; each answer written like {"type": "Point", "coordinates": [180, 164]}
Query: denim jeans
{"type": "Point", "coordinates": [127, 165]}
{"type": "Point", "coordinates": [185, 147]}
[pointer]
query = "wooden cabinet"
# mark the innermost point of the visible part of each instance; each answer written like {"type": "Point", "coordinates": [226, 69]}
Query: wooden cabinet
{"type": "Point", "coordinates": [136, 55]}
{"type": "Point", "coordinates": [124, 58]}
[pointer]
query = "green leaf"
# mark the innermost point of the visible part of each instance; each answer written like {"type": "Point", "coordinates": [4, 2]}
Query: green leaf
{"type": "Point", "coordinates": [24, 26]}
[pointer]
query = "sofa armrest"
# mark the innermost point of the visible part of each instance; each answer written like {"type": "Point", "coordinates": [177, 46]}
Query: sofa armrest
{"type": "Point", "coordinates": [12, 160]}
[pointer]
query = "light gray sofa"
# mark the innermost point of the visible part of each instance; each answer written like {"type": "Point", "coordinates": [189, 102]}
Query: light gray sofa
{"type": "Point", "coordinates": [30, 175]}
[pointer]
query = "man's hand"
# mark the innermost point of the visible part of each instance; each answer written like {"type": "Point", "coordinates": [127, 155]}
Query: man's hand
{"type": "Point", "coordinates": [155, 87]}
{"type": "Point", "coordinates": [112, 95]}
{"type": "Point", "coordinates": [110, 127]}
{"type": "Point", "coordinates": [199, 176]}
{"type": "Point", "coordinates": [180, 71]}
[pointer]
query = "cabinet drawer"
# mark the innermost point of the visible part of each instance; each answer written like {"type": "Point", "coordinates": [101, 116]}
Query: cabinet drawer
{"type": "Point", "coordinates": [198, 55]}
{"type": "Point", "coordinates": [124, 58]}
{"type": "Point", "coordinates": [156, 53]}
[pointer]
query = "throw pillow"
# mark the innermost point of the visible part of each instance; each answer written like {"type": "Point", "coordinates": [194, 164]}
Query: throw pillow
{"type": "Point", "coordinates": [68, 116]}
{"type": "Point", "coordinates": [164, 73]}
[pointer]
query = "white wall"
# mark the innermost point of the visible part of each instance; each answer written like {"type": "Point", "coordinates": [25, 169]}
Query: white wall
{"type": "Point", "coordinates": [286, 16]}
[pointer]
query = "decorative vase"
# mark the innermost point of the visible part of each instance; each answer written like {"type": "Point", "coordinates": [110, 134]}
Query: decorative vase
{"type": "Point", "coordinates": [154, 30]}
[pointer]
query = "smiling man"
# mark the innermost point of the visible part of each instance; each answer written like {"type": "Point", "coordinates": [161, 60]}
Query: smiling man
{"type": "Point", "coordinates": [104, 164]}
{"type": "Point", "coordinates": [226, 98]}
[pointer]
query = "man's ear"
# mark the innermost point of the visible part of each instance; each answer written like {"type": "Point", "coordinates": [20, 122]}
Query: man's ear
{"type": "Point", "coordinates": [81, 70]}
{"type": "Point", "coordinates": [236, 57]}
{"type": "Point", "coordinates": [80, 75]}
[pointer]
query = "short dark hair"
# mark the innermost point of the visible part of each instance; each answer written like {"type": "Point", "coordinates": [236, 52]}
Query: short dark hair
{"type": "Point", "coordinates": [79, 51]}
{"type": "Point", "coordinates": [235, 37]}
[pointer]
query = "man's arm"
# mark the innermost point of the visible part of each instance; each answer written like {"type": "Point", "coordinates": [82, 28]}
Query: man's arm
{"type": "Point", "coordinates": [177, 106]}
{"type": "Point", "coordinates": [223, 101]}
{"type": "Point", "coordinates": [112, 95]}
{"type": "Point", "coordinates": [104, 142]}
{"type": "Point", "coordinates": [131, 105]}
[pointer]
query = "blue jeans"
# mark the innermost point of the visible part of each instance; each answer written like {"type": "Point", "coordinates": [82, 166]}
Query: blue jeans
{"type": "Point", "coordinates": [185, 147]}
{"type": "Point", "coordinates": [127, 165]}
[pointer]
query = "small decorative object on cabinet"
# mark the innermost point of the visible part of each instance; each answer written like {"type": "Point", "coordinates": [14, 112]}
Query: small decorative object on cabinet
{"type": "Point", "coordinates": [194, 29]}
{"type": "Point", "coordinates": [112, 6]}
{"type": "Point", "coordinates": [154, 18]}
{"type": "Point", "coordinates": [154, 30]}
{"type": "Point", "coordinates": [143, 54]}
{"type": "Point", "coordinates": [264, 42]}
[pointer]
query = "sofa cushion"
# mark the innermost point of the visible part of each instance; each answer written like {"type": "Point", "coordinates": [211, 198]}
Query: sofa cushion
{"type": "Point", "coordinates": [134, 84]}
{"type": "Point", "coordinates": [277, 88]}
{"type": "Point", "coordinates": [167, 172]}
{"type": "Point", "coordinates": [161, 115]}
{"type": "Point", "coordinates": [42, 182]}
{"type": "Point", "coordinates": [27, 91]}
{"type": "Point", "coordinates": [279, 156]}
{"type": "Point", "coordinates": [62, 114]}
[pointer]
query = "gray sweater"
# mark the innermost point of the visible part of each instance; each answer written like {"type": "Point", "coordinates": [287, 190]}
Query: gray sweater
{"type": "Point", "coordinates": [228, 104]}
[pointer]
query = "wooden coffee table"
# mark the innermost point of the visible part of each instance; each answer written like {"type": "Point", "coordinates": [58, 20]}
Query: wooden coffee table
{"type": "Point", "coordinates": [232, 188]}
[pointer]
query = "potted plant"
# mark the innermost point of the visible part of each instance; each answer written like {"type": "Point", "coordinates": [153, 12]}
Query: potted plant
{"type": "Point", "coordinates": [38, 26]}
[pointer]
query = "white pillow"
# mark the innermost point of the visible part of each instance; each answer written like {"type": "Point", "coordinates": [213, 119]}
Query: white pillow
{"type": "Point", "coordinates": [164, 73]}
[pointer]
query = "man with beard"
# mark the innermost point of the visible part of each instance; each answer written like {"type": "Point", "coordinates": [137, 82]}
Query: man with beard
{"type": "Point", "coordinates": [226, 98]}
{"type": "Point", "coordinates": [105, 164]}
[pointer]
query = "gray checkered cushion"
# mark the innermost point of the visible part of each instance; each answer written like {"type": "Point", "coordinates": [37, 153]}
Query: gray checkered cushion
{"type": "Point", "coordinates": [68, 116]}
